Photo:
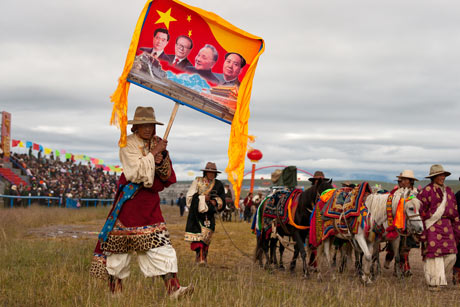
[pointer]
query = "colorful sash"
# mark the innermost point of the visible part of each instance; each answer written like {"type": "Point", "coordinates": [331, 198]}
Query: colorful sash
{"type": "Point", "coordinates": [126, 193]}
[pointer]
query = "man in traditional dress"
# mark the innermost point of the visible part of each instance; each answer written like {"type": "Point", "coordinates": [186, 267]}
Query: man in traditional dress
{"type": "Point", "coordinates": [205, 197]}
{"type": "Point", "coordinates": [406, 179]}
{"type": "Point", "coordinates": [456, 277]}
{"type": "Point", "coordinates": [439, 213]}
{"type": "Point", "coordinates": [135, 223]}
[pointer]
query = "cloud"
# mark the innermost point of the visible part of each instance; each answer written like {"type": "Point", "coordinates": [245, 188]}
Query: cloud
{"type": "Point", "coordinates": [357, 89]}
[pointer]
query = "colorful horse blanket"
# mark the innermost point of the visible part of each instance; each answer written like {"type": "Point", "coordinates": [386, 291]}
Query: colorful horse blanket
{"type": "Point", "coordinates": [280, 206]}
{"type": "Point", "coordinates": [343, 210]}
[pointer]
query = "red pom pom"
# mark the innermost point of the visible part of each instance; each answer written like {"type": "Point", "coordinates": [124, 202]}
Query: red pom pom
{"type": "Point", "coordinates": [391, 235]}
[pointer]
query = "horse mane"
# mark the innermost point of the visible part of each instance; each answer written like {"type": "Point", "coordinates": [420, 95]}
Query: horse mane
{"type": "Point", "coordinates": [377, 204]}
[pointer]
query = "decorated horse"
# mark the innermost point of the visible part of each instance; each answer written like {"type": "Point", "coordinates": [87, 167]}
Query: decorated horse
{"type": "Point", "coordinates": [392, 216]}
{"type": "Point", "coordinates": [358, 216]}
{"type": "Point", "coordinates": [285, 213]}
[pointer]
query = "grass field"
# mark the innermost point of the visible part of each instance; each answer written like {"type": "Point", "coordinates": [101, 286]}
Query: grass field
{"type": "Point", "coordinates": [45, 255]}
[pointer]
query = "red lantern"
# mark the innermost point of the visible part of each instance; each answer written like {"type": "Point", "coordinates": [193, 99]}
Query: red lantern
{"type": "Point", "coordinates": [255, 155]}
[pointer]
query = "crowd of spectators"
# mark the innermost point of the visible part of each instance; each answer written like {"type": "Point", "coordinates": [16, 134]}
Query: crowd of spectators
{"type": "Point", "coordinates": [63, 179]}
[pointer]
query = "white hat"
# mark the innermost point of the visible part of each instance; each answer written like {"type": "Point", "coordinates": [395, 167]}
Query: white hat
{"type": "Point", "coordinates": [407, 173]}
{"type": "Point", "coordinates": [437, 169]}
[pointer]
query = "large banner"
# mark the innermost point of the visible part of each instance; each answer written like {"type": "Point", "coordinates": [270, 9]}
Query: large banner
{"type": "Point", "coordinates": [6, 134]}
{"type": "Point", "coordinates": [192, 59]}
{"type": "Point", "coordinates": [197, 59]}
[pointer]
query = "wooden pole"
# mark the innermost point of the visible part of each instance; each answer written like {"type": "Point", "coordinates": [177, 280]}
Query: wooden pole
{"type": "Point", "coordinates": [253, 172]}
{"type": "Point", "coordinates": [171, 120]}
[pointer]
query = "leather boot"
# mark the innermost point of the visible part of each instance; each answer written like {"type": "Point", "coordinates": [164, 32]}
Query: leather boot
{"type": "Point", "coordinates": [115, 285]}
{"type": "Point", "coordinates": [456, 276]}
{"type": "Point", "coordinates": [406, 268]}
{"type": "Point", "coordinates": [198, 255]}
{"type": "Point", "coordinates": [202, 258]}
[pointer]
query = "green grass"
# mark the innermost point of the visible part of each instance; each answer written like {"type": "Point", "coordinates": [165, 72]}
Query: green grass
{"type": "Point", "coordinates": [41, 270]}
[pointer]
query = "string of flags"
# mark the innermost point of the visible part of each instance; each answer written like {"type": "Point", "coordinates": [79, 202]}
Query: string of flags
{"type": "Point", "coordinates": [98, 163]}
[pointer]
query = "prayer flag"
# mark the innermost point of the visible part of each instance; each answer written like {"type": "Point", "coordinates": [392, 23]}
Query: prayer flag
{"type": "Point", "coordinates": [40, 148]}
{"type": "Point", "coordinates": [15, 143]}
{"type": "Point", "coordinates": [21, 144]}
{"type": "Point", "coordinates": [35, 146]}
{"type": "Point", "coordinates": [58, 154]}
{"type": "Point", "coordinates": [68, 155]}
{"type": "Point", "coordinates": [47, 151]}
{"type": "Point", "coordinates": [218, 62]}
{"type": "Point", "coordinates": [28, 144]}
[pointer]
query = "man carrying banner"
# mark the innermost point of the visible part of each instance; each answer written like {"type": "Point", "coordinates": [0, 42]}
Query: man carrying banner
{"type": "Point", "coordinates": [205, 197]}
{"type": "Point", "coordinates": [135, 223]}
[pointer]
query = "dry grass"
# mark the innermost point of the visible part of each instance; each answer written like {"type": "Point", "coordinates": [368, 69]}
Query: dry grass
{"type": "Point", "coordinates": [39, 269]}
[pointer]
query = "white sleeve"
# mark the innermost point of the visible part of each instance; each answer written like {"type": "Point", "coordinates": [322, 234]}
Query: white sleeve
{"type": "Point", "coordinates": [136, 167]}
{"type": "Point", "coordinates": [191, 191]}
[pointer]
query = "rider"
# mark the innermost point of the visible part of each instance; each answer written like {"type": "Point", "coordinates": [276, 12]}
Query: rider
{"type": "Point", "coordinates": [406, 179]}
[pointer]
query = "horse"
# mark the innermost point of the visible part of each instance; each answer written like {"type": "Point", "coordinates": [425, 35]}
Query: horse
{"type": "Point", "coordinates": [377, 205]}
{"type": "Point", "coordinates": [373, 218]}
{"type": "Point", "coordinates": [274, 228]}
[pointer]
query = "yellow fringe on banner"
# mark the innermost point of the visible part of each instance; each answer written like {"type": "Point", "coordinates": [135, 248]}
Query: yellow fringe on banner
{"type": "Point", "coordinates": [120, 96]}
{"type": "Point", "coordinates": [238, 142]}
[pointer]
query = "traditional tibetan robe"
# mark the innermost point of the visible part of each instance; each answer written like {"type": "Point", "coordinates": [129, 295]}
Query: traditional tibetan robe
{"type": "Point", "coordinates": [139, 224]}
{"type": "Point", "coordinates": [442, 227]}
{"type": "Point", "coordinates": [201, 220]}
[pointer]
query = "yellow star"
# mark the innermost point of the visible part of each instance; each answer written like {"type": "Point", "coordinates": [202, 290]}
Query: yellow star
{"type": "Point", "coordinates": [189, 18]}
{"type": "Point", "coordinates": [165, 17]}
{"type": "Point", "coordinates": [189, 33]}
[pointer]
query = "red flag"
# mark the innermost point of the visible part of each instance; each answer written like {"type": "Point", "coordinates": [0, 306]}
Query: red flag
{"type": "Point", "coordinates": [15, 143]}
{"type": "Point", "coordinates": [35, 146]}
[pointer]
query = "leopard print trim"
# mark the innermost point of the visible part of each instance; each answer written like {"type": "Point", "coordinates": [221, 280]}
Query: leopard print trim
{"type": "Point", "coordinates": [98, 267]}
{"type": "Point", "coordinates": [164, 169]}
{"type": "Point", "coordinates": [205, 236]}
{"type": "Point", "coordinates": [139, 242]}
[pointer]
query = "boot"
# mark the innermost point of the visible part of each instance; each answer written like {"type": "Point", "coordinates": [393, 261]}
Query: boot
{"type": "Point", "coordinates": [406, 267]}
{"type": "Point", "coordinates": [202, 259]}
{"type": "Point", "coordinates": [456, 276]}
{"type": "Point", "coordinates": [198, 255]}
{"type": "Point", "coordinates": [174, 289]}
{"type": "Point", "coordinates": [115, 285]}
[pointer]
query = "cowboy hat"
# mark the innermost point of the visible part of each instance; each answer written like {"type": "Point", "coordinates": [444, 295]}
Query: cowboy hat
{"type": "Point", "coordinates": [317, 175]}
{"type": "Point", "coordinates": [437, 169]}
{"type": "Point", "coordinates": [211, 167]}
{"type": "Point", "coordinates": [407, 173]}
{"type": "Point", "coordinates": [144, 115]}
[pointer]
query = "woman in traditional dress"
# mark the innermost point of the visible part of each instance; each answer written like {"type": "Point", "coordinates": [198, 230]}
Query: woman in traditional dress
{"type": "Point", "coordinates": [205, 198]}
{"type": "Point", "coordinates": [135, 222]}
{"type": "Point", "coordinates": [439, 213]}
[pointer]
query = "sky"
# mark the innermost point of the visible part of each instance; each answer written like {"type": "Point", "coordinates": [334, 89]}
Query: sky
{"type": "Point", "coordinates": [358, 89]}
